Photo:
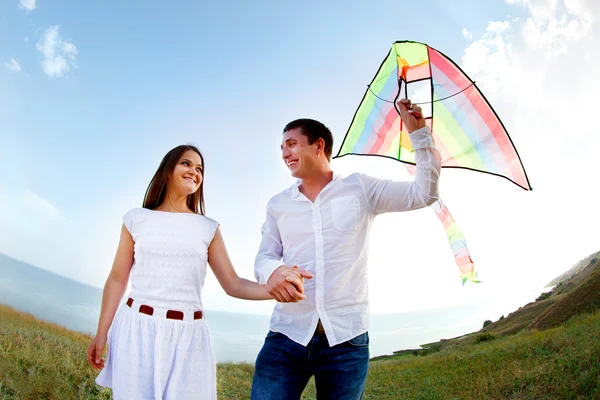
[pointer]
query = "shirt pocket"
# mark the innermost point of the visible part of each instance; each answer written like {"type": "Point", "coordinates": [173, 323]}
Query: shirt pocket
{"type": "Point", "coordinates": [345, 213]}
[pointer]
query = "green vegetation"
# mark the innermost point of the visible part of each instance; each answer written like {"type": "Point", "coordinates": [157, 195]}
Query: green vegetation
{"type": "Point", "coordinates": [548, 349]}
{"type": "Point", "coordinates": [40, 360]}
{"type": "Point", "coordinates": [559, 363]}
{"type": "Point", "coordinates": [43, 361]}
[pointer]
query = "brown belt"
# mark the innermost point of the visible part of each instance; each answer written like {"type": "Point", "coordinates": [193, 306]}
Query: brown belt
{"type": "Point", "coordinates": [320, 330]}
{"type": "Point", "coordinates": [171, 314]}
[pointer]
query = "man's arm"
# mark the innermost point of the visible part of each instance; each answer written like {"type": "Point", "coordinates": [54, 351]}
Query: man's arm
{"type": "Point", "coordinates": [269, 268]}
{"type": "Point", "coordinates": [390, 196]}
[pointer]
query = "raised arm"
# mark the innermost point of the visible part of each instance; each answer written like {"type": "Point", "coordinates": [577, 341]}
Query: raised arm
{"type": "Point", "coordinates": [390, 196]}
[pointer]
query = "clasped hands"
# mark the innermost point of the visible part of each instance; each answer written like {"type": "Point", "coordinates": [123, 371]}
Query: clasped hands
{"type": "Point", "coordinates": [286, 284]}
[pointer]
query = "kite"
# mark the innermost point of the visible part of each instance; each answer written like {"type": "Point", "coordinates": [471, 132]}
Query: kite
{"type": "Point", "coordinates": [466, 130]}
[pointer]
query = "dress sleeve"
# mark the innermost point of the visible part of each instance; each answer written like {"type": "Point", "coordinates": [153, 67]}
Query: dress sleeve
{"type": "Point", "coordinates": [128, 220]}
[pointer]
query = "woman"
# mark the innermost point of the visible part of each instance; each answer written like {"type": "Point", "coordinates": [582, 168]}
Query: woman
{"type": "Point", "coordinates": [159, 345]}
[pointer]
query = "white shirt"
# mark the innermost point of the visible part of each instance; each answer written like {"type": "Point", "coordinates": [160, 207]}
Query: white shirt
{"type": "Point", "coordinates": [330, 239]}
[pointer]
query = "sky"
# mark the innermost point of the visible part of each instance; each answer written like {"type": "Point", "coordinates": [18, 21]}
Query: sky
{"type": "Point", "coordinates": [93, 94]}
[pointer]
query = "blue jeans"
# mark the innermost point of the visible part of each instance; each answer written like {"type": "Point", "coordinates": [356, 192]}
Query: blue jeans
{"type": "Point", "coordinates": [283, 368]}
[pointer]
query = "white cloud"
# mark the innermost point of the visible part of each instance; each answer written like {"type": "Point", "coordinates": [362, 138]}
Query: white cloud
{"type": "Point", "coordinates": [13, 65]}
{"type": "Point", "coordinates": [467, 34]}
{"type": "Point", "coordinates": [27, 5]}
{"type": "Point", "coordinates": [59, 55]}
{"type": "Point", "coordinates": [532, 72]}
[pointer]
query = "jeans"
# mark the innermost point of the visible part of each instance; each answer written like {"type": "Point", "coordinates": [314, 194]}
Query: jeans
{"type": "Point", "coordinates": [283, 368]}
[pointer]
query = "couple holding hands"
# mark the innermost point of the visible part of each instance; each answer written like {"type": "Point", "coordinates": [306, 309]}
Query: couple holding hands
{"type": "Point", "coordinates": [312, 260]}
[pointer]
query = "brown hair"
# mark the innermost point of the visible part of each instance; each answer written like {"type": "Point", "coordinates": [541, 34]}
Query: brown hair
{"type": "Point", "coordinates": [157, 189]}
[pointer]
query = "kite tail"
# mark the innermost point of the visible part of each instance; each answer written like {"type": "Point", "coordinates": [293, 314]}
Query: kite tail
{"type": "Point", "coordinates": [458, 244]}
{"type": "Point", "coordinates": [457, 240]}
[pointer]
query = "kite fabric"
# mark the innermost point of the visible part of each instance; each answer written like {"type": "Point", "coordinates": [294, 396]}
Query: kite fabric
{"type": "Point", "coordinates": [466, 130]}
{"type": "Point", "coordinates": [456, 239]}
{"type": "Point", "coordinates": [458, 244]}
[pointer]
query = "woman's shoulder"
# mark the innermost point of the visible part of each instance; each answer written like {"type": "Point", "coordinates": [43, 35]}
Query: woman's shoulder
{"type": "Point", "coordinates": [209, 219]}
{"type": "Point", "coordinates": [136, 210]}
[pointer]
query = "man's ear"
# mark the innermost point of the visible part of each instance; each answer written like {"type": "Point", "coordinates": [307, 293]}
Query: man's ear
{"type": "Point", "coordinates": [320, 145]}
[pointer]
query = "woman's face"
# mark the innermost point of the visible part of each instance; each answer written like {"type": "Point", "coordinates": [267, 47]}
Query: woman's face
{"type": "Point", "coordinates": [187, 174]}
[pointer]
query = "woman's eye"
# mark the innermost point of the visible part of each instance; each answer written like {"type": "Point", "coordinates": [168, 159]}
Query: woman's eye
{"type": "Point", "coordinates": [186, 163]}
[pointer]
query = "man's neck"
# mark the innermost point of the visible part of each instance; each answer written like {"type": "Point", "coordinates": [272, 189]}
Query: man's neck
{"type": "Point", "coordinates": [312, 186]}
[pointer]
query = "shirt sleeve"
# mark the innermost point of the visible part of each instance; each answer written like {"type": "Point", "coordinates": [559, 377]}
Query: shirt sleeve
{"type": "Point", "coordinates": [270, 251]}
{"type": "Point", "coordinates": [392, 196]}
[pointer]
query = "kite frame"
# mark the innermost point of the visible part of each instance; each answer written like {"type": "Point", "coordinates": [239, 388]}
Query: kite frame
{"type": "Point", "coordinates": [432, 113]}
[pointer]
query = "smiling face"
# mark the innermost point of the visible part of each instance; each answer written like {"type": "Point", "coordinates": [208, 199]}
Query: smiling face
{"type": "Point", "coordinates": [299, 156]}
{"type": "Point", "coordinates": [180, 174]}
{"type": "Point", "coordinates": [306, 148]}
{"type": "Point", "coordinates": [186, 176]}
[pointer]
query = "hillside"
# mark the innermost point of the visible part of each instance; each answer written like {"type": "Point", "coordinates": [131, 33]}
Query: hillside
{"type": "Point", "coordinates": [546, 349]}
{"type": "Point", "coordinates": [575, 269]}
{"type": "Point", "coordinates": [44, 361]}
{"type": "Point", "coordinates": [584, 298]}
{"type": "Point", "coordinates": [579, 292]}
{"type": "Point", "coordinates": [576, 291]}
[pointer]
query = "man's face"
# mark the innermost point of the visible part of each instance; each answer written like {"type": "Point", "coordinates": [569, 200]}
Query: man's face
{"type": "Point", "coordinates": [298, 155]}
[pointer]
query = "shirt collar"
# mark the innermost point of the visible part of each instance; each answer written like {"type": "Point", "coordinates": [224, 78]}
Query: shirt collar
{"type": "Point", "coordinates": [296, 185]}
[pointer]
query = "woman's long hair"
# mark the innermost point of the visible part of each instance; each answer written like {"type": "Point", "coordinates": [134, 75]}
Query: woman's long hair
{"type": "Point", "coordinates": [157, 189]}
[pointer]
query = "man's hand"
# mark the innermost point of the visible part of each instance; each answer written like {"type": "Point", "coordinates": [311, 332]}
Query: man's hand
{"type": "Point", "coordinates": [411, 115]}
{"type": "Point", "coordinates": [286, 284]}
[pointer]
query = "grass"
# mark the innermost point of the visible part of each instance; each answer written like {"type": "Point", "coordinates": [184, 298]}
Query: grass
{"type": "Point", "coordinates": [39, 360]}
{"type": "Point", "coordinates": [584, 298]}
{"type": "Point", "coordinates": [560, 363]}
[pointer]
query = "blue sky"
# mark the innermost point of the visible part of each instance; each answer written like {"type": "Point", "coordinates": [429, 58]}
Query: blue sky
{"type": "Point", "coordinates": [93, 94]}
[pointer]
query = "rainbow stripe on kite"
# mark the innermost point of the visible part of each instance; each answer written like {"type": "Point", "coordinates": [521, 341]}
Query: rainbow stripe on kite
{"type": "Point", "coordinates": [466, 130]}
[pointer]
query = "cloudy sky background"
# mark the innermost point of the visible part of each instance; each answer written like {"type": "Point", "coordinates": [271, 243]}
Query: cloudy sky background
{"type": "Point", "coordinates": [93, 95]}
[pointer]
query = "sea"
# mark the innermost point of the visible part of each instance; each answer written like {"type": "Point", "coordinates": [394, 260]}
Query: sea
{"type": "Point", "coordinates": [235, 337]}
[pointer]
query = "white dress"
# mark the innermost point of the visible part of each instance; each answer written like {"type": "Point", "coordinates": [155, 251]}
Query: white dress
{"type": "Point", "coordinates": [152, 357]}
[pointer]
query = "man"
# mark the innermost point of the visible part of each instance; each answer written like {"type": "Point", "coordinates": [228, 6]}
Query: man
{"type": "Point", "coordinates": [321, 225]}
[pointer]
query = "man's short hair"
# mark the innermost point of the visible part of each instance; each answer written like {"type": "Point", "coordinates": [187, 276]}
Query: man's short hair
{"type": "Point", "coordinates": [313, 130]}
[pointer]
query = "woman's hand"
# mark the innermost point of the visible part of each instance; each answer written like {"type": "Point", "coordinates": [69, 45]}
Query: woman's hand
{"type": "Point", "coordinates": [295, 276]}
{"type": "Point", "coordinates": [94, 352]}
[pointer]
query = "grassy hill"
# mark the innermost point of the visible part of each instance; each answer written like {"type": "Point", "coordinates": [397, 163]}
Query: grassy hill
{"type": "Point", "coordinates": [548, 349]}
{"type": "Point", "coordinates": [578, 267]}
{"type": "Point", "coordinates": [575, 291]}
{"type": "Point", "coordinates": [571, 295]}
{"type": "Point", "coordinates": [583, 298]}
{"type": "Point", "coordinates": [39, 360]}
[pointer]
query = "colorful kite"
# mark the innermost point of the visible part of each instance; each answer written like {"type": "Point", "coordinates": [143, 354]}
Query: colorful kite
{"type": "Point", "coordinates": [466, 130]}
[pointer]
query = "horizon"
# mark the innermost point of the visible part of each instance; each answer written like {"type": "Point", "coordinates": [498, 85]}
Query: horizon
{"type": "Point", "coordinates": [100, 289]}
